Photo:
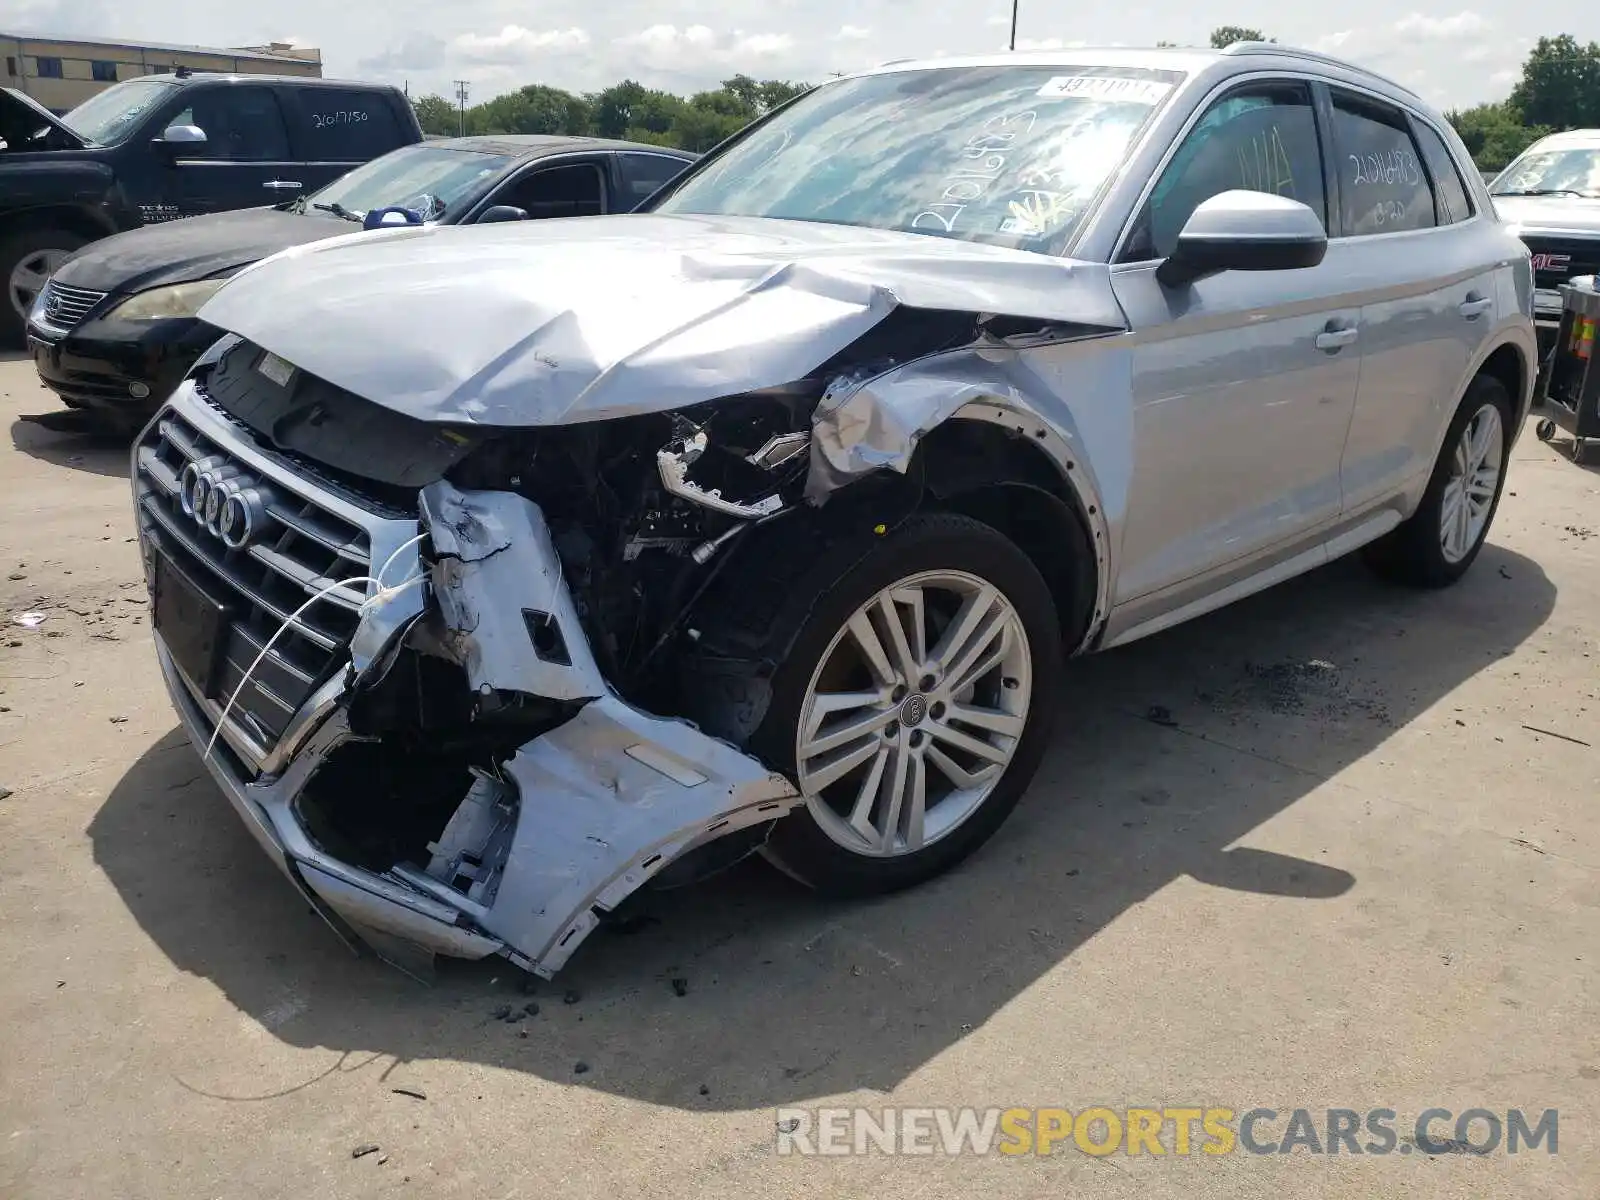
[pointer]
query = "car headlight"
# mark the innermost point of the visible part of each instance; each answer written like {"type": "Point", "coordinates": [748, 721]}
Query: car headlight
{"type": "Point", "coordinates": [164, 303]}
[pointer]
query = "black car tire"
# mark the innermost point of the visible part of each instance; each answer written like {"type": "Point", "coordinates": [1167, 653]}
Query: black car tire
{"type": "Point", "coordinates": [1412, 554]}
{"type": "Point", "coordinates": [14, 249]}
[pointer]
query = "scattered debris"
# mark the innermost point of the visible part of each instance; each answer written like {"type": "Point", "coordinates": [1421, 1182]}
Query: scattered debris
{"type": "Point", "coordinates": [16, 575]}
{"type": "Point", "coordinates": [680, 987]}
{"type": "Point", "coordinates": [414, 1093]}
{"type": "Point", "coordinates": [789, 1126]}
{"type": "Point", "coordinates": [5, 793]}
{"type": "Point", "coordinates": [1161, 715]}
{"type": "Point", "coordinates": [1527, 845]}
{"type": "Point", "coordinates": [364, 1149]}
{"type": "Point", "coordinates": [572, 996]}
{"type": "Point", "coordinates": [61, 983]}
{"type": "Point", "coordinates": [705, 1090]}
{"type": "Point", "coordinates": [29, 620]}
{"type": "Point", "coordinates": [13, 643]}
{"type": "Point", "coordinates": [382, 1158]}
{"type": "Point", "coordinates": [531, 1008]}
{"type": "Point", "coordinates": [119, 720]}
{"type": "Point", "coordinates": [1552, 733]}
{"type": "Point", "coordinates": [502, 1013]}
{"type": "Point", "coordinates": [580, 1068]}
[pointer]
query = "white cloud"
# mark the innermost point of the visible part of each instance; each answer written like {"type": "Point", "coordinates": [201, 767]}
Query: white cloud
{"type": "Point", "coordinates": [1054, 43]}
{"type": "Point", "coordinates": [514, 44]}
{"type": "Point", "coordinates": [1461, 25]}
{"type": "Point", "coordinates": [997, 19]}
{"type": "Point", "coordinates": [853, 33]}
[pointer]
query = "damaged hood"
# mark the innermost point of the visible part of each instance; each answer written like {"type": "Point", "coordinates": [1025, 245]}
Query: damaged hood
{"type": "Point", "coordinates": [583, 319]}
{"type": "Point", "coordinates": [21, 116]}
{"type": "Point", "coordinates": [1557, 214]}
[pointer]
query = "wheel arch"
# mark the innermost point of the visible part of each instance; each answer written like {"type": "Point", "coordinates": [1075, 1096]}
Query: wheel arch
{"type": "Point", "coordinates": [1004, 467]}
{"type": "Point", "coordinates": [84, 222]}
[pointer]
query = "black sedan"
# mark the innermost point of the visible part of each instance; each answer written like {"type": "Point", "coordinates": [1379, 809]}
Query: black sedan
{"type": "Point", "coordinates": [114, 330]}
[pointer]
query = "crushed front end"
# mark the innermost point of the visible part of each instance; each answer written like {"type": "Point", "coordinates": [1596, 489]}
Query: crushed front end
{"type": "Point", "coordinates": [421, 663]}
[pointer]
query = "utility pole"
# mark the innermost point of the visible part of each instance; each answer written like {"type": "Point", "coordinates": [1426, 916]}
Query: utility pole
{"type": "Point", "coordinates": [1014, 4]}
{"type": "Point", "coordinates": [461, 98]}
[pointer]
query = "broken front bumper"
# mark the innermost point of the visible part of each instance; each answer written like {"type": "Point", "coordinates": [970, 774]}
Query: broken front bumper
{"type": "Point", "coordinates": [602, 802]}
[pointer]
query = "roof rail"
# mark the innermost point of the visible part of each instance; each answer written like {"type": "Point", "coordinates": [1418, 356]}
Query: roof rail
{"type": "Point", "coordinates": [1330, 60]}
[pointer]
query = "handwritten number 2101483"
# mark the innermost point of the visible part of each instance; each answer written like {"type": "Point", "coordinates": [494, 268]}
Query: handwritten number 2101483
{"type": "Point", "coordinates": [987, 152]}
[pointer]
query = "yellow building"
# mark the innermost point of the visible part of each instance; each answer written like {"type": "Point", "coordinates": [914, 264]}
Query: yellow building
{"type": "Point", "coordinates": [61, 73]}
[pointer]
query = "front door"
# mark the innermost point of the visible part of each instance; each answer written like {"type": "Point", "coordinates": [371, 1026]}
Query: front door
{"type": "Point", "coordinates": [245, 160]}
{"type": "Point", "coordinates": [572, 187]}
{"type": "Point", "coordinates": [1243, 382]}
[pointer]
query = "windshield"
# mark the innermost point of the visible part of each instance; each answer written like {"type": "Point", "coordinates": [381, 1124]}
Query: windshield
{"type": "Point", "coordinates": [429, 180]}
{"type": "Point", "coordinates": [1574, 172]}
{"type": "Point", "coordinates": [1008, 155]}
{"type": "Point", "coordinates": [108, 118]}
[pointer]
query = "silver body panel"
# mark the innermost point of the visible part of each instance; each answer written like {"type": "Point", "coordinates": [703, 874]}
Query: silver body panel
{"type": "Point", "coordinates": [1213, 440]}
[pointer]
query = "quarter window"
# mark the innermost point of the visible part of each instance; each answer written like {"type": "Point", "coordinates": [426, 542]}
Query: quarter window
{"type": "Point", "coordinates": [1382, 184]}
{"type": "Point", "coordinates": [1261, 138]}
{"type": "Point", "coordinates": [1455, 200]}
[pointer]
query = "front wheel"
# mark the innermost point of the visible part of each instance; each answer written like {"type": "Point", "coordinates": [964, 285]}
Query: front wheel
{"type": "Point", "coordinates": [1441, 539]}
{"type": "Point", "coordinates": [27, 260]}
{"type": "Point", "coordinates": [913, 706]}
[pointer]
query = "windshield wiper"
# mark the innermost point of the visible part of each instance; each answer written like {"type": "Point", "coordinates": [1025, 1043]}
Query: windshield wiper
{"type": "Point", "coordinates": [1542, 192]}
{"type": "Point", "coordinates": [339, 210]}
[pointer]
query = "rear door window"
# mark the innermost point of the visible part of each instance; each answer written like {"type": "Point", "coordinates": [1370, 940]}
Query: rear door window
{"type": "Point", "coordinates": [332, 124]}
{"type": "Point", "coordinates": [1383, 187]}
{"type": "Point", "coordinates": [644, 174]}
{"type": "Point", "coordinates": [242, 123]}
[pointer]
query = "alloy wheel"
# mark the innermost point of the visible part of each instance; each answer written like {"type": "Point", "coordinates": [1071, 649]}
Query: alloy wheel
{"type": "Point", "coordinates": [1474, 479]}
{"type": "Point", "coordinates": [29, 276]}
{"type": "Point", "coordinates": [914, 713]}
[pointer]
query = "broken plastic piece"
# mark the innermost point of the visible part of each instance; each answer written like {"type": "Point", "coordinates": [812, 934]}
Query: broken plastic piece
{"type": "Point", "coordinates": [675, 466]}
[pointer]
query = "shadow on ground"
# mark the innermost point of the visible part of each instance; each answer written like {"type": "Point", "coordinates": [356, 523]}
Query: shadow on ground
{"type": "Point", "coordinates": [1168, 754]}
{"type": "Point", "coordinates": [102, 454]}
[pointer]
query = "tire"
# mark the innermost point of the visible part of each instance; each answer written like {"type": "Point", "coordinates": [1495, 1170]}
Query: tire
{"type": "Point", "coordinates": [23, 256]}
{"type": "Point", "coordinates": [807, 631]}
{"type": "Point", "coordinates": [1415, 553]}
{"type": "Point", "coordinates": [1545, 430]}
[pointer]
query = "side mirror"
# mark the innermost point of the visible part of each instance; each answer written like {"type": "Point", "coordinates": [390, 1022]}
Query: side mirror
{"type": "Point", "coordinates": [1245, 231]}
{"type": "Point", "coordinates": [502, 212]}
{"type": "Point", "coordinates": [180, 137]}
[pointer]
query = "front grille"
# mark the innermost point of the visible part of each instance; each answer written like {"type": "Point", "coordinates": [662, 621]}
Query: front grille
{"type": "Point", "coordinates": [303, 549]}
{"type": "Point", "coordinates": [1557, 259]}
{"type": "Point", "coordinates": [65, 307]}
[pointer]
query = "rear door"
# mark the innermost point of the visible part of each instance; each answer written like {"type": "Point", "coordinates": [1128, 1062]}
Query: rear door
{"type": "Point", "coordinates": [246, 148]}
{"type": "Point", "coordinates": [332, 129]}
{"type": "Point", "coordinates": [1432, 302]}
{"type": "Point", "coordinates": [643, 174]}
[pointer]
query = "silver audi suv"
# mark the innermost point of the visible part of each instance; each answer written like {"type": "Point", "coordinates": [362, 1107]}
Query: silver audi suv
{"type": "Point", "coordinates": [499, 572]}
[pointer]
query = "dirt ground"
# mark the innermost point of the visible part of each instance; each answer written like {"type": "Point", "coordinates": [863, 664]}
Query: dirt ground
{"type": "Point", "coordinates": [1305, 853]}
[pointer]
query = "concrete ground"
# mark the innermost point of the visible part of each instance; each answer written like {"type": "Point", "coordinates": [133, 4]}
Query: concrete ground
{"type": "Point", "coordinates": [1304, 853]}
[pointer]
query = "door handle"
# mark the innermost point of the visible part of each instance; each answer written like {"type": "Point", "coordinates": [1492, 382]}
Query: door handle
{"type": "Point", "coordinates": [1474, 306]}
{"type": "Point", "coordinates": [1333, 340]}
{"type": "Point", "coordinates": [282, 184]}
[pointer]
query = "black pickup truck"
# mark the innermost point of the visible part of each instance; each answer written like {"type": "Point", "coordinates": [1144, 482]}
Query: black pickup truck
{"type": "Point", "coordinates": [166, 146]}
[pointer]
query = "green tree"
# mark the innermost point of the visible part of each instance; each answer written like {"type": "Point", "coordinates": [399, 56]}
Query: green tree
{"type": "Point", "coordinates": [1494, 134]}
{"type": "Point", "coordinates": [533, 109]}
{"type": "Point", "coordinates": [1560, 84]}
{"type": "Point", "coordinates": [1226, 35]}
{"type": "Point", "coordinates": [437, 115]}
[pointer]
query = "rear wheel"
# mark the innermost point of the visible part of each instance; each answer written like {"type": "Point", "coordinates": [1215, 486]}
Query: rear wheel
{"type": "Point", "coordinates": [912, 706]}
{"type": "Point", "coordinates": [27, 260]}
{"type": "Point", "coordinates": [1441, 539]}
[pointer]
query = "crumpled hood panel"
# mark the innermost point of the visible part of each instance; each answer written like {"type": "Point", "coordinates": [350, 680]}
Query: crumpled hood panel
{"type": "Point", "coordinates": [582, 319]}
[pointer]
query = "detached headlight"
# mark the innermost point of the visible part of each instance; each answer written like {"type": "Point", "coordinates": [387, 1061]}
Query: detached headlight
{"type": "Point", "coordinates": [164, 303]}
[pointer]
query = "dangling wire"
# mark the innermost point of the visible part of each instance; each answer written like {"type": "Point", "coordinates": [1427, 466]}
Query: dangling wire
{"type": "Point", "coordinates": [382, 596]}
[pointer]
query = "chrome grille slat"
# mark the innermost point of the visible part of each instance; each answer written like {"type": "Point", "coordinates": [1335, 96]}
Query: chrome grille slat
{"type": "Point", "coordinates": [65, 307]}
{"type": "Point", "coordinates": [261, 585]}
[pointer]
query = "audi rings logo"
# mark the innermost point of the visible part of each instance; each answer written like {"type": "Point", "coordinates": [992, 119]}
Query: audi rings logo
{"type": "Point", "coordinates": [228, 503]}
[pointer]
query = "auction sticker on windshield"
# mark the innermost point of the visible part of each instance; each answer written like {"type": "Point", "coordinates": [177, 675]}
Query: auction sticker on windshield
{"type": "Point", "coordinates": [275, 369]}
{"type": "Point", "coordinates": [1105, 87]}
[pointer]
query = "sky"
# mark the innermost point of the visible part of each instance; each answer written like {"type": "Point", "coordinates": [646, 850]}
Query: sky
{"type": "Point", "coordinates": [1454, 56]}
